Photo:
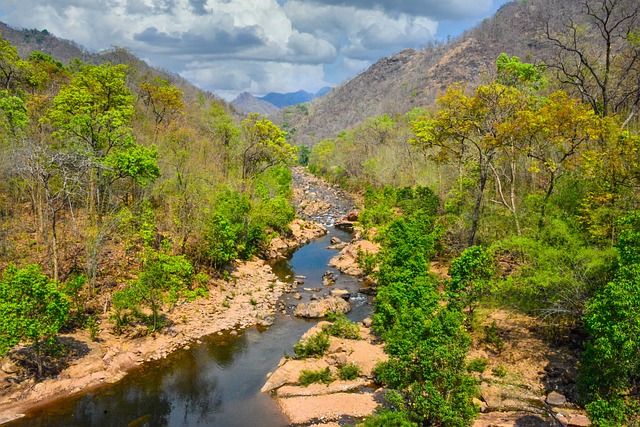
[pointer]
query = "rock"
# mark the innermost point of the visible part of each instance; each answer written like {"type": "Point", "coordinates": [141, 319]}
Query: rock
{"type": "Point", "coordinates": [352, 216]}
{"type": "Point", "coordinates": [579, 421]}
{"type": "Point", "coordinates": [297, 296]}
{"type": "Point", "coordinates": [367, 322]}
{"type": "Point", "coordinates": [329, 278]}
{"type": "Point", "coordinates": [556, 399]}
{"type": "Point", "coordinates": [491, 396]}
{"type": "Point", "coordinates": [480, 404]}
{"type": "Point", "coordinates": [342, 293]}
{"type": "Point", "coordinates": [9, 367]}
{"type": "Point", "coordinates": [320, 308]}
{"type": "Point", "coordinates": [304, 409]}
{"type": "Point", "coordinates": [335, 240]}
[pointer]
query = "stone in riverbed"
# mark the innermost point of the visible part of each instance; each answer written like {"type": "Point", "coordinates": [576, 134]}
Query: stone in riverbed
{"type": "Point", "coordinates": [320, 308]}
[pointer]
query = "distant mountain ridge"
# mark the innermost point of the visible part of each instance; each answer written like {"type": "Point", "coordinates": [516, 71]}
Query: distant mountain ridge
{"type": "Point", "coordinates": [283, 100]}
{"type": "Point", "coordinates": [247, 103]}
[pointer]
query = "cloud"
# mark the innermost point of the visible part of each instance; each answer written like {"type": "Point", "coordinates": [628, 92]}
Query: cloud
{"type": "Point", "coordinates": [257, 45]}
{"type": "Point", "coordinates": [435, 9]}
{"type": "Point", "coordinates": [218, 41]}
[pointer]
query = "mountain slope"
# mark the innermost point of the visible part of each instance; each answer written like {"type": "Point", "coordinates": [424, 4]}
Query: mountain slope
{"type": "Point", "coordinates": [247, 103]}
{"type": "Point", "coordinates": [413, 78]}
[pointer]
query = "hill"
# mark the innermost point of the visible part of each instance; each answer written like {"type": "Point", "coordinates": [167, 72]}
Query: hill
{"type": "Point", "coordinates": [412, 78]}
{"type": "Point", "coordinates": [247, 103]}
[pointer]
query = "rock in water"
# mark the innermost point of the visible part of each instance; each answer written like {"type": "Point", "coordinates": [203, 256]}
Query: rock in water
{"type": "Point", "coordinates": [320, 308]}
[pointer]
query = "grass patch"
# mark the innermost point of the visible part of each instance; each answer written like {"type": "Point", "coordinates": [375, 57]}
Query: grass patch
{"type": "Point", "coordinates": [315, 346]}
{"type": "Point", "coordinates": [478, 364]}
{"type": "Point", "coordinates": [342, 327]}
{"type": "Point", "coordinates": [321, 376]}
{"type": "Point", "coordinates": [349, 372]}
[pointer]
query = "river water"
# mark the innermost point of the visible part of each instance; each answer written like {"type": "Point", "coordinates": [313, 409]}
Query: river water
{"type": "Point", "coordinates": [217, 382]}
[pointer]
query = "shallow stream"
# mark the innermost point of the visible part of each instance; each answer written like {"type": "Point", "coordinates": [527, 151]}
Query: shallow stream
{"type": "Point", "coordinates": [217, 382]}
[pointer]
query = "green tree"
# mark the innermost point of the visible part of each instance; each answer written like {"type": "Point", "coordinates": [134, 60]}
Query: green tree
{"type": "Point", "coordinates": [264, 145]}
{"type": "Point", "coordinates": [611, 360]}
{"type": "Point", "coordinates": [471, 274]}
{"type": "Point", "coordinates": [96, 109]}
{"type": "Point", "coordinates": [32, 309]}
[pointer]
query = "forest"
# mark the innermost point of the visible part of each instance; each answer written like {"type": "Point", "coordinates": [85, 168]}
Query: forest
{"type": "Point", "coordinates": [124, 192]}
{"type": "Point", "coordinates": [121, 196]}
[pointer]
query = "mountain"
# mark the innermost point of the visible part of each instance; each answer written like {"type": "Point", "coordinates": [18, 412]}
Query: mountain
{"type": "Point", "coordinates": [283, 100]}
{"type": "Point", "coordinates": [247, 103]}
{"type": "Point", "coordinates": [414, 78]}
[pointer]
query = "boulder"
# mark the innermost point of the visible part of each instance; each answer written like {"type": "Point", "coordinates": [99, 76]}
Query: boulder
{"type": "Point", "coordinates": [342, 293]}
{"type": "Point", "coordinates": [320, 308]}
{"type": "Point", "coordinates": [556, 399]}
{"type": "Point", "coordinates": [579, 421]}
{"type": "Point", "coordinates": [491, 396]}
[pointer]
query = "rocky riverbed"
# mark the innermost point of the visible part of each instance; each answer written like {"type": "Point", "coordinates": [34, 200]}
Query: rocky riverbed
{"type": "Point", "coordinates": [250, 297]}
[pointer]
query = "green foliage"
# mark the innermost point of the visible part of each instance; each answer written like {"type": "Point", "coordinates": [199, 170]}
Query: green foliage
{"type": "Point", "coordinates": [13, 113]}
{"type": "Point", "coordinates": [342, 327]}
{"type": "Point", "coordinates": [314, 346]}
{"type": "Point", "coordinates": [349, 371]}
{"type": "Point", "coordinates": [303, 155]}
{"type": "Point", "coordinates": [492, 337]}
{"type": "Point", "coordinates": [471, 274]}
{"type": "Point", "coordinates": [425, 339]}
{"type": "Point", "coordinates": [388, 418]}
{"type": "Point", "coordinates": [499, 371]}
{"type": "Point", "coordinates": [556, 273]}
{"type": "Point", "coordinates": [611, 361]}
{"type": "Point", "coordinates": [320, 376]}
{"type": "Point", "coordinates": [479, 364]}
{"type": "Point", "coordinates": [32, 309]}
{"type": "Point", "coordinates": [512, 72]}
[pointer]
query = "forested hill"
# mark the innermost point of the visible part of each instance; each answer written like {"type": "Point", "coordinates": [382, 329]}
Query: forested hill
{"type": "Point", "coordinates": [27, 41]}
{"type": "Point", "coordinates": [414, 78]}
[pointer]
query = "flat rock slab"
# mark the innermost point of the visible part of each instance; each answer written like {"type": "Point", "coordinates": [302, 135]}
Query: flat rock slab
{"type": "Point", "coordinates": [302, 410]}
{"type": "Point", "coordinates": [321, 389]}
{"type": "Point", "coordinates": [513, 419]}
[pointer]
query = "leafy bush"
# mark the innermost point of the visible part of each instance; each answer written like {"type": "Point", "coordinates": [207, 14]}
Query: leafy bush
{"type": "Point", "coordinates": [32, 309]}
{"type": "Point", "coordinates": [315, 346]}
{"type": "Point", "coordinates": [499, 371]}
{"type": "Point", "coordinates": [471, 274]}
{"type": "Point", "coordinates": [342, 327]}
{"type": "Point", "coordinates": [479, 364]}
{"type": "Point", "coordinates": [321, 376]}
{"type": "Point", "coordinates": [349, 372]}
{"type": "Point", "coordinates": [388, 418]}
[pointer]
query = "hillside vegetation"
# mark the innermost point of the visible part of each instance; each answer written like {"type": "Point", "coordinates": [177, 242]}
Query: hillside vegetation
{"type": "Point", "coordinates": [526, 182]}
{"type": "Point", "coordinates": [123, 192]}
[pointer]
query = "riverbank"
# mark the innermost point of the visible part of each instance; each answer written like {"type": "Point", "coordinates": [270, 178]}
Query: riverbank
{"type": "Point", "coordinates": [249, 298]}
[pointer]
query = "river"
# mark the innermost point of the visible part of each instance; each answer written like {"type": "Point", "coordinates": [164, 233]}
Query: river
{"type": "Point", "coordinates": [216, 382]}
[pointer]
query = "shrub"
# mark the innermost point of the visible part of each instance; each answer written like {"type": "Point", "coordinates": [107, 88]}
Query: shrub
{"type": "Point", "coordinates": [342, 327]}
{"type": "Point", "coordinates": [388, 418]}
{"type": "Point", "coordinates": [499, 371]}
{"type": "Point", "coordinates": [478, 364]}
{"type": "Point", "coordinates": [349, 372]}
{"type": "Point", "coordinates": [321, 376]}
{"type": "Point", "coordinates": [315, 346]}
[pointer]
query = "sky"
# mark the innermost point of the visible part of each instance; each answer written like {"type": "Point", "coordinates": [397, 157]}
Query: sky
{"type": "Point", "coordinates": [258, 46]}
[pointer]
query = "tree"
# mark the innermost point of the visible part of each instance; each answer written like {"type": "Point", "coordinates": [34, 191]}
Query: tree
{"type": "Point", "coordinates": [96, 109]}
{"type": "Point", "coordinates": [12, 68]}
{"type": "Point", "coordinates": [60, 174]}
{"type": "Point", "coordinates": [164, 100]}
{"type": "Point", "coordinates": [32, 309]}
{"type": "Point", "coordinates": [264, 145]}
{"type": "Point", "coordinates": [599, 55]}
{"type": "Point", "coordinates": [611, 361]}
{"type": "Point", "coordinates": [468, 129]}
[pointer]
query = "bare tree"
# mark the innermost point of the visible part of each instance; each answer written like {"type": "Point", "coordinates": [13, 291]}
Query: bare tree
{"type": "Point", "coordinates": [60, 175]}
{"type": "Point", "coordinates": [599, 55]}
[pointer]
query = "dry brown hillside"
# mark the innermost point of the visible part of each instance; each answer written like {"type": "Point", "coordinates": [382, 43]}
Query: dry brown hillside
{"type": "Point", "coordinates": [413, 78]}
